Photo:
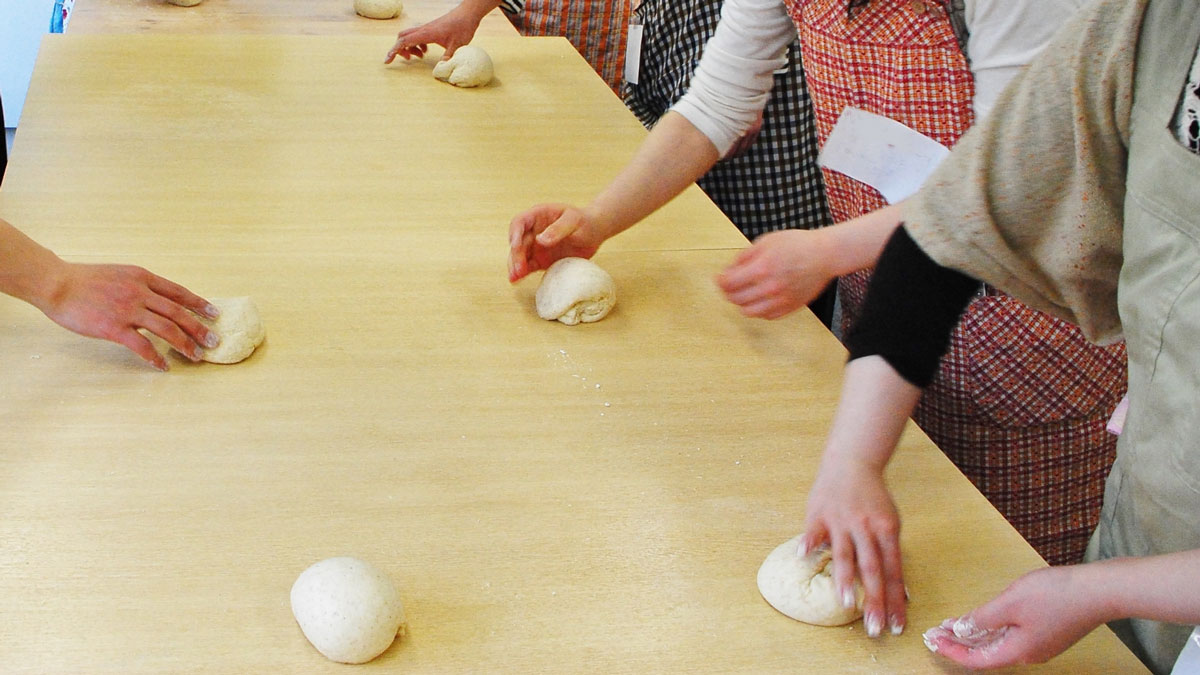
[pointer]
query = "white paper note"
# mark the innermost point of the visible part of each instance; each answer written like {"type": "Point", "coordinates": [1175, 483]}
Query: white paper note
{"type": "Point", "coordinates": [882, 153]}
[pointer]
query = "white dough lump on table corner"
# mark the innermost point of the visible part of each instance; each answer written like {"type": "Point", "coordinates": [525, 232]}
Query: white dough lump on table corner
{"type": "Point", "coordinates": [348, 609]}
{"type": "Point", "coordinates": [802, 588]}
{"type": "Point", "coordinates": [469, 67]}
{"type": "Point", "coordinates": [378, 9]}
{"type": "Point", "coordinates": [575, 290]}
{"type": "Point", "coordinates": [240, 327]}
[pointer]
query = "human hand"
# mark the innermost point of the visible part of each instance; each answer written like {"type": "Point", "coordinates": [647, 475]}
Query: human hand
{"type": "Point", "coordinates": [849, 508]}
{"type": "Point", "coordinates": [1036, 618]}
{"type": "Point", "coordinates": [451, 30]}
{"type": "Point", "coordinates": [546, 233]}
{"type": "Point", "coordinates": [112, 302]}
{"type": "Point", "coordinates": [780, 273]}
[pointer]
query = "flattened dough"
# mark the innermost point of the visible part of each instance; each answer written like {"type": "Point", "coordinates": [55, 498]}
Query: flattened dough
{"type": "Point", "coordinates": [348, 609]}
{"type": "Point", "coordinates": [469, 67]}
{"type": "Point", "coordinates": [802, 587]}
{"type": "Point", "coordinates": [240, 327]}
{"type": "Point", "coordinates": [575, 290]}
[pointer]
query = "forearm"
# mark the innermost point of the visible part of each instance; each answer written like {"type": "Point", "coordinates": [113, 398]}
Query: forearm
{"type": "Point", "coordinates": [875, 404]}
{"type": "Point", "coordinates": [672, 157]}
{"type": "Point", "coordinates": [477, 9]}
{"type": "Point", "coordinates": [1159, 588]}
{"type": "Point", "coordinates": [858, 243]}
{"type": "Point", "coordinates": [28, 270]}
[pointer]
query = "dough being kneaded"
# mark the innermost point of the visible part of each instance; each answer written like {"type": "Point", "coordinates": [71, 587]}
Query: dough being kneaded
{"type": "Point", "coordinates": [801, 587]}
{"type": "Point", "coordinates": [469, 67]}
{"type": "Point", "coordinates": [575, 290]}
{"type": "Point", "coordinates": [240, 327]}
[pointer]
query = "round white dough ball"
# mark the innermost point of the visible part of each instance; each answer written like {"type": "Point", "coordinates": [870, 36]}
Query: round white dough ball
{"type": "Point", "coordinates": [240, 327]}
{"type": "Point", "coordinates": [575, 290]}
{"type": "Point", "coordinates": [348, 609]}
{"type": "Point", "coordinates": [378, 9]}
{"type": "Point", "coordinates": [802, 587]}
{"type": "Point", "coordinates": [185, 3]}
{"type": "Point", "coordinates": [469, 67]}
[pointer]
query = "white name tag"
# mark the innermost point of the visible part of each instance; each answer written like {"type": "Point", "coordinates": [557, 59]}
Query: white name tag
{"type": "Point", "coordinates": [633, 53]}
{"type": "Point", "coordinates": [882, 153]}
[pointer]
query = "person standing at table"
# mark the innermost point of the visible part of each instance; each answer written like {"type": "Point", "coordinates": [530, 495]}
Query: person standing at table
{"type": "Point", "coordinates": [596, 28]}
{"type": "Point", "coordinates": [769, 180]}
{"type": "Point", "coordinates": [1079, 196]}
{"type": "Point", "coordinates": [1021, 402]}
{"type": "Point", "coordinates": [111, 302]}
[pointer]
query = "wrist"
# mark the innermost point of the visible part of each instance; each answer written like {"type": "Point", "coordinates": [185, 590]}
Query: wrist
{"type": "Point", "coordinates": [477, 9]}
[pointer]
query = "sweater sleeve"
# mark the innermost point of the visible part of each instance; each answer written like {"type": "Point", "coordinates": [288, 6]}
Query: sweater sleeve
{"type": "Point", "coordinates": [735, 75]}
{"type": "Point", "coordinates": [1031, 199]}
{"type": "Point", "coordinates": [912, 307]}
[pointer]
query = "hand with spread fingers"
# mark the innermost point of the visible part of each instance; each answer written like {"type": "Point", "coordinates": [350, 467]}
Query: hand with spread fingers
{"type": "Point", "coordinates": [546, 233]}
{"type": "Point", "coordinates": [111, 302]}
{"type": "Point", "coordinates": [451, 30]}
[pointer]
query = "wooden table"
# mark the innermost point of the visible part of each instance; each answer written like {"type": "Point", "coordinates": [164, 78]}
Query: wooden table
{"type": "Point", "coordinates": [283, 17]}
{"type": "Point", "coordinates": [549, 499]}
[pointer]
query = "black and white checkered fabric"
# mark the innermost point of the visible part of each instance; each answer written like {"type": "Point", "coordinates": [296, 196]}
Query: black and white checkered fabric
{"type": "Point", "coordinates": [512, 6]}
{"type": "Point", "coordinates": [776, 184]}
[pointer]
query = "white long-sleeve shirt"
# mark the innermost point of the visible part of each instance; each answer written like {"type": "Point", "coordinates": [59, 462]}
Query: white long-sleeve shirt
{"type": "Point", "coordinates": [734, 78]}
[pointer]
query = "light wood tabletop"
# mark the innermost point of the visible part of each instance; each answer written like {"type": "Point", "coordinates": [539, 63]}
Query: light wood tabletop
{"type": "Point", "coordinates": [595, 498]}
{"type": "Point", "coordinates": [283, 17]}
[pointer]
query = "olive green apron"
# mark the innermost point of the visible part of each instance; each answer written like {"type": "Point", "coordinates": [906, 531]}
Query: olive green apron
{"type": "Point", "coordinates": [1152, 497]}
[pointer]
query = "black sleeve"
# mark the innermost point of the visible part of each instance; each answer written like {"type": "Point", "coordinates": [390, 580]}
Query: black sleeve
{"type": "Point", "coordinates": [912, 307]}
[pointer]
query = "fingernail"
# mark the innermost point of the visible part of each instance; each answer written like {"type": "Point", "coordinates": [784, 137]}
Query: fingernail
{"type": "Point", "coordinates": [161, 366]}
{"type": "Point", "coordinates": [848, 598]}
{"type": "Point", "coordinates": [927, 637]}
{"type": "Point", "coordinates": [896, 624]}
{"type": "Point", "coordinates": [802, 547]}
{"type": "Point", "coordinates": [874, 624]}
{"type": "Point", "coordinates": [211, 339]}
{"type": "Point", "coordinates": [211, 311]}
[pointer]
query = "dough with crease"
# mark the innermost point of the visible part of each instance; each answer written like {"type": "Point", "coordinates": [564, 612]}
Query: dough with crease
{"type": "Point", "coordinates": [575, 290]}
{"type": "Point", "coordinates": [469, 67]}
{"type": "Point", "coordinates": [802, 587]}
{"type": "Point", "coordinates": [348, 609]}
{"type": "Point", "coordinates": [240, 327]}
{"type": "Point", "coordinates": [378, 9]}
{"type": "Point", "coordinates": [185, 3]}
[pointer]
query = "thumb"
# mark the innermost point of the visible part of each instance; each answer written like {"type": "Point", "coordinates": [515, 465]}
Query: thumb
{"type": "Point", "coordinates": [564, 226]}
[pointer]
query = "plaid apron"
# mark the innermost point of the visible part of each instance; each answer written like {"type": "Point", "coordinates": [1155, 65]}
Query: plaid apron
{"type": "Point", "coordinates": [1021, 399]}
{"type": "Point", "coordinates": [776, 183]}
{"type": "Point", "coordinates": [596, 28]}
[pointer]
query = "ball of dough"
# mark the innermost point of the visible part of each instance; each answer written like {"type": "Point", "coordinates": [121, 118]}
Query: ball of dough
{"type": "Point", "coordinates": [378, 9]}
{"type": "Point", "coordinates": [240, 327]}
{"type": "Point", "coordinates": [802, 587]}
{"type": "Point", "coordinates": [185, 3]}
{"type": "Point", "coordinates": [574, 290]}
{"type": "Point", "coordinates": [348, 609]}
{"type": "Point", "coordinates": [469, 67]}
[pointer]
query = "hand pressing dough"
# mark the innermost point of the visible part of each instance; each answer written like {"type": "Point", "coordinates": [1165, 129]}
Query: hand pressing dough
{"type": "Point", "coordinates": [240, 327]}
{"type": "Point", "coordinates": [378, 9]}
{"type": "Point", "coordinates": [574, 290]}
{"type": "Point", "coordinates": [802, 587]}
{"type": "Point", "coordinates": [469, 67]}
{"type": "Point", "coordinates": [348, 609]}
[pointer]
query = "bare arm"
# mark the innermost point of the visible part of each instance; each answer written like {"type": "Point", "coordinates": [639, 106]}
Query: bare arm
{"type": "Point", "coordinates": [105, 301]}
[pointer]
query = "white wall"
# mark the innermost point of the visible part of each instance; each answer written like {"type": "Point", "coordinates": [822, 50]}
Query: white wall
{"type": "Point", "coordinates": [22, 25]}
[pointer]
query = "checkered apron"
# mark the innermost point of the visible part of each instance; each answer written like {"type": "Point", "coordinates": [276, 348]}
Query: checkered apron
{"type": "Point", "coordinates": [1021, 399]}
{"type": "Point", "coordinates": [776, 183]}
{"type": "Point", "coordinates": [598, 29]}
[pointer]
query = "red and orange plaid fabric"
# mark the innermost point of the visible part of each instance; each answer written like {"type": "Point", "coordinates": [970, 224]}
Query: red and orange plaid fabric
{"type": "Point", "coordinates": [597, 28]}
{"type": "Point", "coordinates": [1021, 400]}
